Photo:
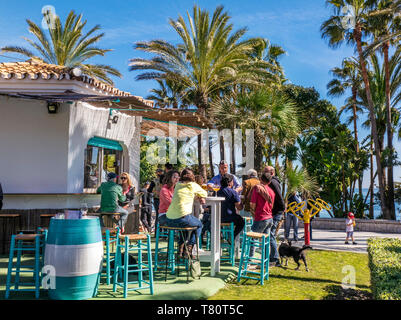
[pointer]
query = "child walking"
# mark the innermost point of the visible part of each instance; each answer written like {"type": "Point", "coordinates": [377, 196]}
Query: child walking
{"type": "Point", "coordinates": [350, 223]}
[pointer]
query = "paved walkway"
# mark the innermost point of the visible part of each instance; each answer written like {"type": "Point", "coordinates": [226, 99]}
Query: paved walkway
{"type": "Point", "coordinates": [334, 240]}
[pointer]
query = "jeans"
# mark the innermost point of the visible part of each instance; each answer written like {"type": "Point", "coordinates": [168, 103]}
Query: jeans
{"type": "Point", "coordinates": [274, 256]}
{"type": "Point", "coordinates": [261, 227]}
{"type": "Point", "coordinates": [184, 222]}
{"type": "Point", "coordinates": [238, 221]}
{"type": "Point", "coordinates": [291, 220]}
{"type": "Point", "coordinates": [162, 220]}
{"type": "Point", "coordinates": [156, 203]}
{"type": "Point", "coordinates": [123, 217]}
{"type": "Point", "coordinates": [146, 217]}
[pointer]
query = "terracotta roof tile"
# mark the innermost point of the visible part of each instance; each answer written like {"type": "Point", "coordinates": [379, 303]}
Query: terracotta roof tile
{"type": "Point", "coordinates": [35, 69]}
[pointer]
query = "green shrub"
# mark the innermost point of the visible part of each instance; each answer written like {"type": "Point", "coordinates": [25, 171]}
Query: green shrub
{"type": "Point", "coordinates": [385, 268]}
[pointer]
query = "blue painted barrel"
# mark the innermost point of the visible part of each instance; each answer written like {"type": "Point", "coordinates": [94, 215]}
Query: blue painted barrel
{"type": "Point", "coordinates": [75, 249]}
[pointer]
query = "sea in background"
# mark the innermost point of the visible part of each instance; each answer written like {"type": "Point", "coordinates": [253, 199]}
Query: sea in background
{"type": "Point", "coordinates": [376, 208]}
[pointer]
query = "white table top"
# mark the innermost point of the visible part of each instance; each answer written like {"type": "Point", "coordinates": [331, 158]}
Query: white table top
{"type": "Point", "coordinates": [215, 199]}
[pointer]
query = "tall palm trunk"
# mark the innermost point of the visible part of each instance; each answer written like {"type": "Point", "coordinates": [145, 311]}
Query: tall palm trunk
{"type": "Point", "coordinates": [372, 179]}
{"type": "Point", "coordinates": [390, 177]}
{"type": "Point", "coordinates": [233, 163]}
{"type": "Point", "coordinates": [211, 158]}
{"type": "Point", "coordinates": [358, 40]}
{"type": "Point", "coordinates": [354, 95]}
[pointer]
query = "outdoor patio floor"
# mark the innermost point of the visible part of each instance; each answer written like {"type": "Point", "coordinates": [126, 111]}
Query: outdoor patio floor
{"type": "Point", "coordinates": [175, 288]}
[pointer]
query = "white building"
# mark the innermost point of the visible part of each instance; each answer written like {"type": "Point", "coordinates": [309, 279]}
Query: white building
{"type": "Point", "coordinates": [56, 160]}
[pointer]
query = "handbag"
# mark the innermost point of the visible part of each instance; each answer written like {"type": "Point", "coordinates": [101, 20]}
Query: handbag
{"type": "Point", "coordinates": [194, 266]}
{"type": "Point", "coordinates": [195, 269]}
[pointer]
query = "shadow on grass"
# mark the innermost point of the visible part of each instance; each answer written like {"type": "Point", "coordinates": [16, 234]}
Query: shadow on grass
{"type": "Point", "coordinates": [337, 292]}
{"type": "Point", "coordinates": [278, 276]}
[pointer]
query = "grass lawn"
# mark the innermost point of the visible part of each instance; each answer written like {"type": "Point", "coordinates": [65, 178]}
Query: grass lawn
{"type": "Point", "coordinates": [323, 281]}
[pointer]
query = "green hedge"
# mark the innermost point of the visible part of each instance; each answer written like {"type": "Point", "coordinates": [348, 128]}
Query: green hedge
{"type": "Point", "coordinates": [385, 268]}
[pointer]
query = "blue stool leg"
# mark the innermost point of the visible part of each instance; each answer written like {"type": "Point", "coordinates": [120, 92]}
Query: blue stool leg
{"type": "Point", "coordinates": [242, 258]}
{"type": "Point", "coordinates": [37, 264]}
{"type": "Point", "coordinates": [150, 264]}
{"type": "Point", "coordinates": [232, 247]}
{"type": "Point", "coordinates": [171, 251]}
{"type": "Point", "coordinates": [262, 266]}
{"type": "Point", "coordinates": [117, 261]}
{"type": "Point", "coordinates": [267, 256]}
{"type": "Point", "coordinates": [140, 266]}
{"type": "Point", "coordinates": [157, 246]}
{"type": "Point", "coordinates": [17, 271]}
{"type": "Point", "coordinates": [10, 266]}
{"type": "Point", "coordinates": [126, 267]}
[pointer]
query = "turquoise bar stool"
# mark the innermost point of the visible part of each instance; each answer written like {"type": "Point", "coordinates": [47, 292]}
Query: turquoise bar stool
{"type": "Point", "coordinates": [172, 250]}
{"type": "Point", "coordinates": [141, 245]}
{"type": "Point", "coordinates": [258, 240]}
{"type": "Point", "coordinates": [24, 243]}
{"type": "Point", "coordinates": [228, 243]}
{"type": "Point", "coordinates": [109, 236]}
{"type": "Point", "coordinates": [247, 227]}
{"type": "Point", "coordinates": [161, 232]}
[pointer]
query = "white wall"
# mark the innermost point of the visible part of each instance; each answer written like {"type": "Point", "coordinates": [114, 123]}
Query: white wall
{"type": "Point", "coordinates": [86, 122]}
{"type": "Point", "coordinates": [44, 153]}
{"type": "Point", "coordinates": [33, 147]}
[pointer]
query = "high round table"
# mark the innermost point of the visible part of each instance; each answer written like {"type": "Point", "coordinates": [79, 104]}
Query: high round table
{"type": "Point", "coordinates": [213, 256]}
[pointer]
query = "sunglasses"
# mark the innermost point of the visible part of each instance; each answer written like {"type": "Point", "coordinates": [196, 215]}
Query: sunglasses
{"type": "Point", "coordinates": [123, 178]}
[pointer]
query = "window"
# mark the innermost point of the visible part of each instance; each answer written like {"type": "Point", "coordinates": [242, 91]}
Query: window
{"type": "Point", "coordinates": [102, 156]}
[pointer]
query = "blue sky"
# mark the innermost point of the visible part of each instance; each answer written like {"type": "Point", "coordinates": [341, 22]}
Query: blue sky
{"type": "Point", "coordinates": [293, 24]}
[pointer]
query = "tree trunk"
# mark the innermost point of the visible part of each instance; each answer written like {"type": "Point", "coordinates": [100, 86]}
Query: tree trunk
{"type": "Point", "coordinates": [390, 174]}
{"type": "Point", "coordinates": [202, 166]}
{"type": "Point", "coordinates": [357, 38]}
{"type": "Point", "coordinates": [211, 157]}
{"type": "Point", "coordinates": [233, 163]}
{"type": "Point", "coordinates": [372, 179]}
{"type": "Point", "coordinates": [354, 95]}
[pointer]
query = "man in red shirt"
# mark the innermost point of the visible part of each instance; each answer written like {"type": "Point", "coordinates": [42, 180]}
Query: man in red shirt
{"type": "Point", "coordinates": [261, 209]}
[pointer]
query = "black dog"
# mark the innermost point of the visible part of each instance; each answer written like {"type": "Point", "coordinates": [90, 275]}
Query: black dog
{"type": "Point", "coordinates": [287, 250]}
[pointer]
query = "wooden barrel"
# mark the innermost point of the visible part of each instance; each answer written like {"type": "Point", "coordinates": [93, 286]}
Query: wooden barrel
{"type": "Point", "coordinates": [75, 249]}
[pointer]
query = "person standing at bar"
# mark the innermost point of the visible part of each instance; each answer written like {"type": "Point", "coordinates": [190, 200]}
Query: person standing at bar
{"type": "Point", "coordinates": [154, 188]}
{"type": "Point", "coordinates": [278, 212]}
{"type": "Point", "coordinates": [216, 180]}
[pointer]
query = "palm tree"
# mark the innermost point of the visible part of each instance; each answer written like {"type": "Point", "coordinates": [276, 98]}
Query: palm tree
{"type": "Point", "coordinates": [385, 22]}
{"type": "Point", "coordinates": [337, 32]}
{"type": "Point", "coordinates": [169, 95]}
{"type": "Point", "coordinates": [267, 111]}
{"type": "Point", "coordinates": [348, 77]}
{"type": "Point", "coordinates": [68, 46]}
{"type": "Point", "coordinates": [377, 79]}
{"type": "Point", "coordinates": [209, 58]}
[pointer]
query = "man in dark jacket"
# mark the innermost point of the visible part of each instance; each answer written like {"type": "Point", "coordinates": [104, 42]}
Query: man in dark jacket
{"type": "Point", "coordinates": [146, 208]}
{"type": "Point", "coordinates": [278, 212]}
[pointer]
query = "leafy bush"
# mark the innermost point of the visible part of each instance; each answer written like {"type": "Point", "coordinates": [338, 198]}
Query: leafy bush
{"type": "Point", "coordinates": [385, 268]}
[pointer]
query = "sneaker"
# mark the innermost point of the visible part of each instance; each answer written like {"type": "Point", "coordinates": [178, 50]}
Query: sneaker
{"type": "Point", "coordinates": [346, 242]}
{"type": "Point", "coordinates": [354, 242]}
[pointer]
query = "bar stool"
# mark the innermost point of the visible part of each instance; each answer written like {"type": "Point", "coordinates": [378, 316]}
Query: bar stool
{"type": "Point", "coordinates": [247, 227]}
{"type": "Point", "coordinates": [25, 243]}
{"type": "Point", "coordinates": [171, 250]}
{"type": "Point", "coordinates": [258, 240]}
{"type": "Point", "coordinates": [109, 236]}
{"type": "Point", "coordinates": [227, 230]}
{"type": "Point", "coordinates": [140, 267]}
{"type": "Point", "coordinates": [161, 232]}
